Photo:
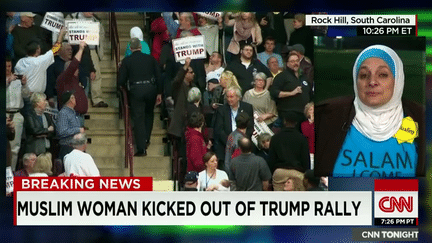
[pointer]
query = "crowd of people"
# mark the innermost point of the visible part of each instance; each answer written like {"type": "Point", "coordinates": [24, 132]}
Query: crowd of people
{"type": "Point", "coordinates": [48, 83]}
{"type": "Point", "coordinates": [258, 71]}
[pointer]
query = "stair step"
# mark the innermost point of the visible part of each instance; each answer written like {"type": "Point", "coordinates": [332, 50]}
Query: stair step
{"type": "Point", "coordinates": [163, 185]}
{"type": "Point", "coordinates": [146, 162]}
{"type": "Point", "coordinates": [156, 174]}
{"type": "Point", "coordinates": [104, 138]}
{"type": "Point", "coordinates": [117, 150]}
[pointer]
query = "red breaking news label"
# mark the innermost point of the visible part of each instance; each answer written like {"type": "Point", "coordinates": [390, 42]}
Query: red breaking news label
{"type": "Point", "coordinates": [83, 184]}
{"type": "Point", "coordinates": [396, 185]}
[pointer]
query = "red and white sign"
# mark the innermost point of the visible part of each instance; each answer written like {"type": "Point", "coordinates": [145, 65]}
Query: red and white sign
{"type": "Point", "coordinates": [396, 198]}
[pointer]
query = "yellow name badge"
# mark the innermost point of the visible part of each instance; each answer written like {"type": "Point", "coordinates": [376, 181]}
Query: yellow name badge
{"type": "Point", "coordinates": [408, 131]}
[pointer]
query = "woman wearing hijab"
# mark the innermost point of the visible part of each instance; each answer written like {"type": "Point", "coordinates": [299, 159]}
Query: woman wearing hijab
{"type": "Point", "coordinates": [376, 134]}
{"type": "Point", "coordinates": [136, 32]}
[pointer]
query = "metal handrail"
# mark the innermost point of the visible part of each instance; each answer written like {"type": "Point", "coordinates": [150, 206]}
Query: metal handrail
{"type": "Point", "coordinates": [123, 98]}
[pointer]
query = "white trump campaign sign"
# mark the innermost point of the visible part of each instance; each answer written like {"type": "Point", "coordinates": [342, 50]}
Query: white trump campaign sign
{"type": "Point", "coordinates": [210, 15]}
{"type": "Point", "coordinates": [87, 31]}
{"type": "Point", "coordinates": [192, 47]}
{"type": "Point", "coordinates": [52, 22]}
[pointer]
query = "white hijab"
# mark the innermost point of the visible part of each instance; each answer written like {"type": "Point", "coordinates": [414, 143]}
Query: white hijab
{"type": "Point", "coordinates": [136, 32]}
{"type": "Point", "coordinates": [380, 123]}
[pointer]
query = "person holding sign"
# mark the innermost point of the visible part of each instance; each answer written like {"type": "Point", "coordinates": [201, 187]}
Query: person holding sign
{"type": "Point", "coordinates": [376, 133]}
{"type": "Point", "coordinates": [35, 65]}
{"type": "Point", "coordinates": [140, 73]}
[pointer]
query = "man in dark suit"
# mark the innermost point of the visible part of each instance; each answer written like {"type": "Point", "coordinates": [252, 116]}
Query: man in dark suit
{"type": "Point", "coordinates": [225, 121]}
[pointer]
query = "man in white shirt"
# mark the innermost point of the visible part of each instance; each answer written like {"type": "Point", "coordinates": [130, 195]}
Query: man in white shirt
{"type": "Point", "coordinates": [78, 162]}
{"type": "Point", "coordinates": [35, 65]}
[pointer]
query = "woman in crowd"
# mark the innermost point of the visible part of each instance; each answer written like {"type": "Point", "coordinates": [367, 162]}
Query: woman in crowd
{"type": "Point", "coordinates": [289, 185]}
{"type": "Point", "coordinates": [210, 31]}
{"type": "Point", "coordinates": [136, 32]}
{"type": "Point", "coordinates": [196, 147]}
{"type": "Point", "coordinates": [308, 130]}
{"type": "Point", "coordinates": [212, 179]}
{"type": "Point", "coordinates": [39, 126]}
{"type": "Point", "coordinates": [261, 100]}
{"type": "Point", "coordinates": [376, 133]}
{"type": "Point", "coordinates": [227, 80]}
{"type": "Point", "coordinates": [246, 28]}
{"type": "Point", "coordinates": [264, 146]}
{"type": "Point", "coordinates": [283, 182]}
{"type": "Point", "coordinates": [42, 166]}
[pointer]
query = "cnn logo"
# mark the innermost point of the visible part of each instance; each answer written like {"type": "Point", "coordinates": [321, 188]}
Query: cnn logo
{"type": "Point", "coordinates": [389, 204]}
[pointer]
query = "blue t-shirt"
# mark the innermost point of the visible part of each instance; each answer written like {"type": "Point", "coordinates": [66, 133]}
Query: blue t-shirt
{"type": "Point", "coordinates": [363, 157]}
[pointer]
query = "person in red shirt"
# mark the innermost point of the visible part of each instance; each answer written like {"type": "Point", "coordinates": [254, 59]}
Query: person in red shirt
{"type": "Point", "coordinates": [308, 129]}
{"type": "Point", "coordinates": [196, 147]}
{"type": "Point", "coordinates": [69, 80]}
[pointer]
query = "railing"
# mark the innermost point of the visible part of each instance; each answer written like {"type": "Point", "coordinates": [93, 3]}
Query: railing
{"type": "Point", "coordinates": [123, 99]}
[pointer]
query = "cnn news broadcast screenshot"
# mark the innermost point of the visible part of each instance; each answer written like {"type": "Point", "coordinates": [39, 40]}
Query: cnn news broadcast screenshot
{"type": "Point", "coordinates": [156, 122]}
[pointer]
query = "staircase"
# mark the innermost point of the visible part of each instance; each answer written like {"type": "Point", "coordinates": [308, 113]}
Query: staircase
{"type": "Point", "coordinates": [106, 130]}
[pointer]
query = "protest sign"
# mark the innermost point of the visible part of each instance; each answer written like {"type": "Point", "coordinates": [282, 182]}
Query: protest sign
{"type": "Point", "coordinates": [52, 22]}
{"type": "Point", "coordinates": [87, 31]}
{"type": "Point", "coordinates": [210, 15]}
{"type": "Point", "coordinates": [259, 128]}
{"type": "Point", "coordinates": [192, 47]}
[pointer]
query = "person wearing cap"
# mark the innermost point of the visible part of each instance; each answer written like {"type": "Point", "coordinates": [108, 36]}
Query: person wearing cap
{"type": "Point", "coordinates": [68, 123]}
{"type": "Point", "coordinates": [289, 153]}
{"type": "Point", "coordinates": [231, 149]}
{"type": "Point", "coordinates": [69, 81]}
{"type": "Point", "coordinates": [78, 162]}
{"type": "Point", "coordinates": [248, 171]}
{"type": "Point", "coordinates": [269, 45]}
{"type": "Point", "coordinates": [225, 122]}
{"type": "Point", "coordinates": [302, 35]}
{"type": "Point", "coordinates": [305, 63]}
{"type": "Point", "coordinates": [25, 32]}
{"type": "Point", "coordinates": [191, 181]}
{"type": "Point", "coordinates": [213, 74]}
{"type": "Point", "coordinates": [376, 133]}
{"type": "Point", "coordinates": [290, 89]}
{"type": "Point", "coordinates": [34, 66]}
{"type": "Point", "coordinates": [140, 74]}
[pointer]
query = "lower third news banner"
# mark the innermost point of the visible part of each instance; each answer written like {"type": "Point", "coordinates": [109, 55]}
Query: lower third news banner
{"type": "Point", "coordinates": [127, 201]}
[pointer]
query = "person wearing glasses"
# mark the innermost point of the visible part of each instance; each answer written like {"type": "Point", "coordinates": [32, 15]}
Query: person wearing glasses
{"type": "Point", "coordinates": [290, 90]}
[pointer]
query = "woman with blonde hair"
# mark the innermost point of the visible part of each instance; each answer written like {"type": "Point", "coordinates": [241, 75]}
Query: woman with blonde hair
{"type": "Point", "coordinates": [308, 130]}
{"type": "Point", "coordinates": [227, 80]}
{"type": "Point", "coordinates": [42, 166]}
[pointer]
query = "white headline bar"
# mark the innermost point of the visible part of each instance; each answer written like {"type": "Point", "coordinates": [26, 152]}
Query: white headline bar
{"type": "Point", "coordinates": [360, 20]}
{"type": "Point", "coordinates": [193, 208]}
